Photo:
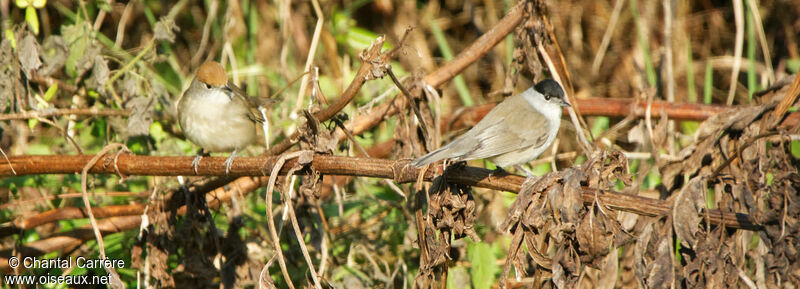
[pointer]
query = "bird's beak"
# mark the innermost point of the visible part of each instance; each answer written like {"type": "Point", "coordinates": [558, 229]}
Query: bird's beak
{"type": "Point", "coordinates": [228, 90]}
{"type": "Point", "coordinates": [564, 102]}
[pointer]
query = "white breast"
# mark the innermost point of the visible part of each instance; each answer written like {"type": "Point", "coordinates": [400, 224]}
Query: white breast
{"type": "Point", "coordinates": [213, 124]}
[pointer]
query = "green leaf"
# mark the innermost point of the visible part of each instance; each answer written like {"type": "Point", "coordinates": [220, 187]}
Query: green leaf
{"type": "Point", "coordinates": [33, 21]}
{"type": "Point", "coordinates": [157, 132]}
{"type": "Point", "coordinates": [32, 123]}
{"type": "Point", "coordinates": [11, 38]}
{"type": "Point", "coordinates": [39, 3]}
{"type": "Point", "coordinates": [51, 91]}
{"type": "Point", "coordinates": [600, 125]}
{"type": "Point", "coordinates": [103, 5]}
{"type": "Point", "coordinates": [78, 39]}
{"type": "Point", "coordinates": [794, 147]}
{"type": "Point", "coordinates": [483, 265]}
{"type": "Point", "coordinates": [793, 65]}
{"type": "Point", "coordinates": [689, 127]}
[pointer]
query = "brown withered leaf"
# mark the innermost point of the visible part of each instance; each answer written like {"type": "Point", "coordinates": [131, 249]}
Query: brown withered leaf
{"type": "Point", "coordinates": [9, 75]}
{"type": "Point", "coordinates": [28, 54]}
{"type": "Point", "coordinates": [165, 29]}
{"type": "Point", "coordinates": [141, 116]}
{"type": "Point", "coordinates": [594, 239]}
{"type": "Point", "coordinates": [638, 135]}
{"type": "Point", "coordinates": [605, 168]}
{"type": "Point", "coordinates": [314, 136]}
{"type": "Point", "coordinates": [567, 262]}
{"type": "Point", "coordinates": [686, 210]}
{"type": "Point", "coordinates": [54, 53]}
{"type": "Point", "coordinates": [530, 189]}
{"type": "Point", "coordinates": [640, 251]}
{"type": "Point", "coordinates": [737, 119]}
{"type": "Point", "coordinates": [608, 274]}
{"type": "Point", "coordinates": [100, 74]}
{"type": "Point", "coordinates": [660, 273]}
{"type": "Point", "coordinates": [568, 201]}
{"type": "Point", "coordinates": [700, 155]}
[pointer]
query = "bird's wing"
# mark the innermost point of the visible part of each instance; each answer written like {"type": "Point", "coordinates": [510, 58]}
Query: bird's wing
{"type": "Point", "coordinates": [252, 103]}
{"type": "Point", "coordinates": [518, 129]}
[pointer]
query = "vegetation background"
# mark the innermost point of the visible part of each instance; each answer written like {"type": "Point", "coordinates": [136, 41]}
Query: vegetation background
{"type": "Point", "coordinates": [130, 62]}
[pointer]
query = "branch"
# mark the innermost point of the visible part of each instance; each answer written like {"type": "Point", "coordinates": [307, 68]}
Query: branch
{"type": "Point", "coordinates": [615, 107]}
{"type": "Point", "coordinates": [68, 213]}
{"type": "Point", "coordinates": [66, 111]}
{"type": "Point", "coordinates": [371, 57]}
{"type": "Point", "coordinates": [400, 171]}
{"type": "Point", "coordinates": [480, 47]}
{"type": "Point", "coordinates": [71, 239]}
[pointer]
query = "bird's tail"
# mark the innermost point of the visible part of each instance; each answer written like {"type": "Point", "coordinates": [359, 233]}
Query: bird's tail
{"type": "Point", "coordinates": [431, 157]}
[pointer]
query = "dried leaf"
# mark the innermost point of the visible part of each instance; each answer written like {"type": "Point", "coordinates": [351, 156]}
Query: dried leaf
{"type": "Point", "coordinates": [9, 76]}
{"type": "Point", "coordinates": [686, 210]}
{"type": "Point", "coordinates": [640, 251]}
{"type": "Point", "coordinates": [660, 272]}
{"type": "Point", "coordinates": [165, 29]}
{"type": "Point", "coordinates": [608, 276]}
{"type": "Point", "coordinates": [99, 74]}
{"type": "Point", "coordinates": [638, 135]}
{"type": "Point", "coordinates": [128, 86]}
{"type": "Point", "coordinates": [54, 52]}
{"type": "Point", "coordinates": [594, 239]}
{"type": "Point", "coordinates": [141, 116]}
{"type": "Point", "coordinates": [458, 277]}
{"type": "Point", "coordinates": [28, 53]}
{"type": "Point", "coordinates": [568, 201]}
{"type": "Point", "coordinates": [736, 119]}
{"type": "Point", "coordinates": [79, 39]}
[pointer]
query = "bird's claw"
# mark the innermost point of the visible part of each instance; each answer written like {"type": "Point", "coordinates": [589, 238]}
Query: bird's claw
{"type": "Point", "coordinates": [196, 162]}
{"type": "Point", "coordinates": [229, 162]}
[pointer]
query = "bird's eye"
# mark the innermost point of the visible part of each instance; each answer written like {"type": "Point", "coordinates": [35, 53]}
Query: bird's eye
{"type": "Point", "coordinates": [546, 97]}
{"type": "Point", "coordinates": [208, 86]}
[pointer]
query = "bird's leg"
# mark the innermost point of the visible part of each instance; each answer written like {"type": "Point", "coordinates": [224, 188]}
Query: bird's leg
{"type": "Point", "coordinates": [196, 161]}
{"type": "Point", "coordinates": [229, 161]}
{"type": "Point", "coordinates": [528, 173]}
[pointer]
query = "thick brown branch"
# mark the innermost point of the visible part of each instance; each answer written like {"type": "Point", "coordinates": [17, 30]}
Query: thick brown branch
{"type": "Point", "coordinates": [400, 171]}
{"type": "Point", "coordinates": [69, 213]}
{"type": "Point", "coordinates": [480, 47]}
{"type": "Point", "coordinates": [71, 239]}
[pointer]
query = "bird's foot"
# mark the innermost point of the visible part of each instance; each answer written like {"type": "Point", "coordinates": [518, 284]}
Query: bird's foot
{"type": "Point", "coordinates": [528, 173]}
{"type": "Point", "coordinates": [229, 162]}
{"type": "Point", "coordinates": [196, 162]}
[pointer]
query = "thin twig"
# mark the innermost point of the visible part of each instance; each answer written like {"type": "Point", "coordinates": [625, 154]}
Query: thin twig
{"type": "Point", "coordinates": [8, 161]}
{"type": "Point", "coordinates": [738, 13]}
{"type": "Point", "coordinates": [86, 202]}
{"type": "Point", "coordinates": [410, 100]}
{"type": "Point", "coordinates": [210, 17]}
{"type": "Point", "coordinates": [299, 235]}
{"type": "Point", "coordinates": [123, 22]}
{"type": "Point", "coordinates": [65, 111]}
{"type": "Point", "coordinates": [270, 218]}
{"type": "Point", "coordinates": [312, 51]}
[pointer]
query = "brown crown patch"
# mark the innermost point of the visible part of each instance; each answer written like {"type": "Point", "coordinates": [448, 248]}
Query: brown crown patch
{"type": "Point", "coordinates": [212, 73]}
